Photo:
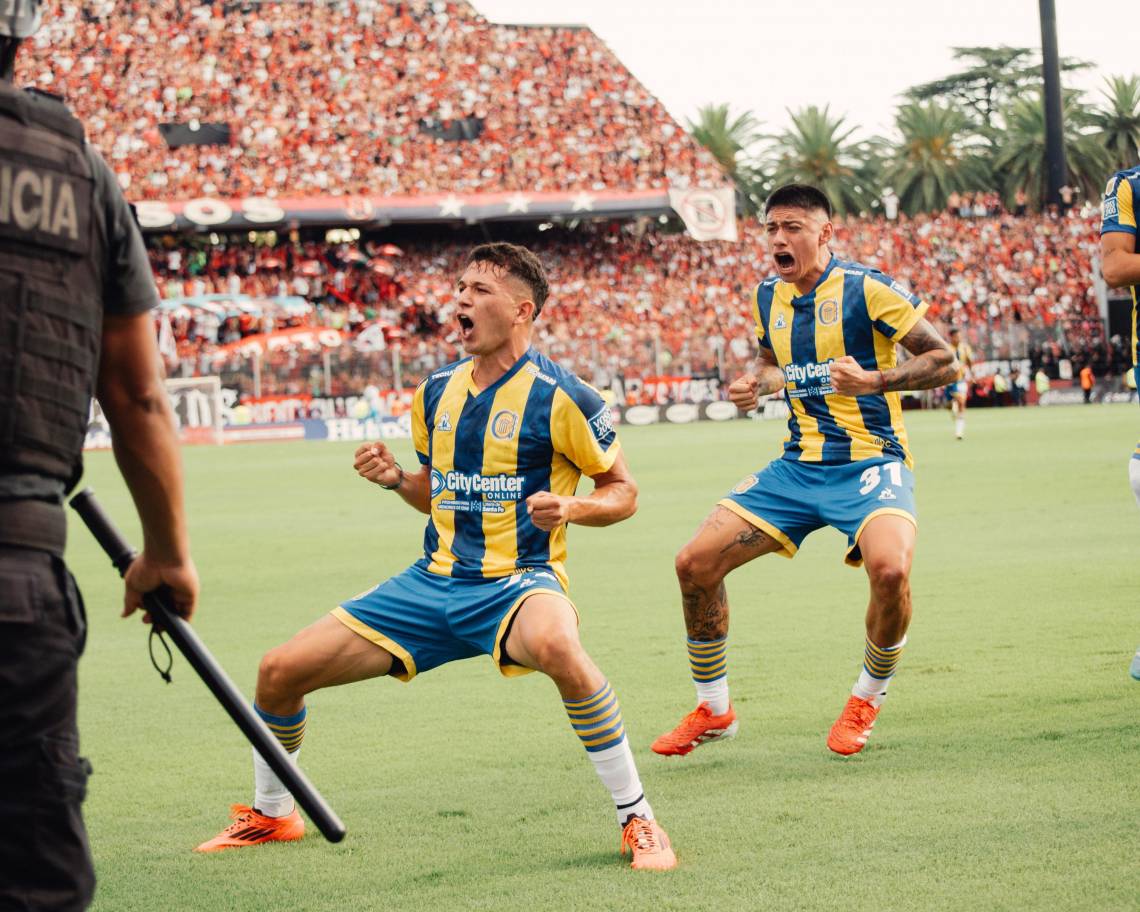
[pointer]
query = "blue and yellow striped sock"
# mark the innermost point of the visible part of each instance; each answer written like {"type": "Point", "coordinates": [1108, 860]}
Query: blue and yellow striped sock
{"type": "Point", "coordinates": [879, 664]}
{"type": "Point", "coordinates": [708, 664]}
{"type": "Point", "coordinates": [597, 723]}
{"type": "Point", "coordinates": [289, 730]}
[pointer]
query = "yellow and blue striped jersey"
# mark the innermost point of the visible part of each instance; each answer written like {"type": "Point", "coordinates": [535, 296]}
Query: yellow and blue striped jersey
{"type": "Point", "coordinates": [852, 310]}
{"type": "Point", "coordinates": [536, 428]}
{"type": "Point", "coordinates": [1118, 213]}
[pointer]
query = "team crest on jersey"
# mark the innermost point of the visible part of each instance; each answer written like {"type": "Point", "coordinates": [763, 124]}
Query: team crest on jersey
{"type": "Point", "coordinates": [1111, 208]}
{"type": "Point", "coordinates": [827, 312]}
{"type": "Point", "coordinates": [747, 482]}
{"type": "Point", "coordinates": [503, 425]}
{"type": "Point", "coordinates": [444, 422]}
{"type": "Point", "coordinates": [780, 322]}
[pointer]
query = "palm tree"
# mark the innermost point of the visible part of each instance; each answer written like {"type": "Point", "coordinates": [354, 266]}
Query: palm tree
{"type": "Point", "coordinates": [1119, 120]}
{"type": "Point", "coordinates": [938, 156]}
{"type": "Point", "coordinates": [819, 151]}
{"type": "Point", "coordinates": [729, 142]}
{"type": "Point", "coordinates": [725, 139]}
{"type": "Point", "coordinates": [1020, 157]}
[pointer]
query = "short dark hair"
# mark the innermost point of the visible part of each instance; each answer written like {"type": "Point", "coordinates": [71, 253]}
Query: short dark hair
{"type": "Point", "coordinates": [799, 196]}
{"type": "Point", "coordinates": [519, 262]}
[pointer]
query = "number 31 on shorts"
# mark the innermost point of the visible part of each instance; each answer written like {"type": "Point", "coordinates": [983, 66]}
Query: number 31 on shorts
{"type": "Point", "coordinates": [872, 477]}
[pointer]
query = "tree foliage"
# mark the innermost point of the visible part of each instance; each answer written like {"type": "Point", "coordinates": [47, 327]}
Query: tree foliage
{"type": "Point", "coordinates": [938, 156]}
{"type": "Point", "coordinates": [1020, 160]}
{"type": "Point", "coordinates": [1118, 121]}
{"type": "Point", "coordinates": [818, 149]}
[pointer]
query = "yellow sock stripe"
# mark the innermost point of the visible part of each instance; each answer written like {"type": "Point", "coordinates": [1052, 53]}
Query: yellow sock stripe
{"type": "Point", "coordinates": [578, 705]}
{"type": "Point", "coordinates": [706, 648]}
{"type": "Point", "coordinates": [880, 662]}
{"type": "Point", "coordinates": [595, 706]}
{"type": "Point", "coordinates": [613, 738]}
{"type": "Point", "coordinates": [285, 730]}
{"type": "Point", "coordinates": [612, 721]}
{"type": "Point", "coordinates": [289, 737]}
{"type": "Point", "coordinates": [711, 674]}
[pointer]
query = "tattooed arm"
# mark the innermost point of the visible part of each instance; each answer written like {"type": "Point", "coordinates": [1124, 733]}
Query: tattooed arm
{"type": "Point", "coordinates": [765, 378]}
{"type": "Point", "coordinates": [932, 364]}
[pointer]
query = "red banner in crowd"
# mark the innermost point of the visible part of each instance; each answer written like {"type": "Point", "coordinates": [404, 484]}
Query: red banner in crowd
{"type": "Point", "coordinates": [310, 338]}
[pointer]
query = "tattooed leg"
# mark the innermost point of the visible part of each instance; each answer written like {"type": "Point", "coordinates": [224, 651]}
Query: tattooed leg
{"type": "Point", "coordinates": [722, 543]}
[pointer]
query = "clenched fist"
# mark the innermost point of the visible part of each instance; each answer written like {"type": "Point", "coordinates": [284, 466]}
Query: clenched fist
{"type": "Point", "coordinates": [848, 378]}
{"type": "Point", "coordinates": [744, 392]}
{"type": "Point", "coordinates": [548, 511]}
{"type": "Point", "coordinates": [375, 462]}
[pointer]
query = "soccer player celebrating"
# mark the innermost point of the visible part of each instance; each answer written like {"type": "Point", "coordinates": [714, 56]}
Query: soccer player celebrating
{"type": "Point", "coordinates": [503, 437]}
{"type": "Point", "coordinates": [959, 391]}
{"type": "Point", "coordinates": [1120, 263]}
{"type": "Point", "coordinates": [827, 332]}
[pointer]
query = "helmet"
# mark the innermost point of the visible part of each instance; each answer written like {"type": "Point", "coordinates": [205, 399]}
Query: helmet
{"type": "Point", "coordinates": [20, 18]}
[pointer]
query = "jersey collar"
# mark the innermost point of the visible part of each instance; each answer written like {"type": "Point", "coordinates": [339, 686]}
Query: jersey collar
{"type": "Point", "coordinates": [511, 371]}
{"type": "Point", "coordinates": [809, 296]}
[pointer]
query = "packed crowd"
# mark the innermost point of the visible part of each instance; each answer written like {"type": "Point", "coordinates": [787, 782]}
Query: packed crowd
{"type": "Point", "coordinates": [346, 97]}
{"type": "Point", "coordinates": [628, 299]}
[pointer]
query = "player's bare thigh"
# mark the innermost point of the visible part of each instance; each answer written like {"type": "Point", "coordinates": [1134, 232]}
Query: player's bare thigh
{"type": "Point", "coordinates": [323, 654]}
{"type": "Point", "coordinates": [544, 636]}
{"type": "Point", "coordinates": [723, 542]}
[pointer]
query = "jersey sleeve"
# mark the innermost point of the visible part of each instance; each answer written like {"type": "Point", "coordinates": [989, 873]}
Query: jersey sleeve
{"type": "Point", "coordinates": [759, 316]}
{"type": "Point", "coordinates": [1118, 212]}
{"type": "Point", "coordinates": [894, 311]}
{"type": "Point", "coordinates": [128, 284]}
{"type": "Point", "coordinates": [419, 425]}
{"type": "Point", "coordinates": [582, 429]}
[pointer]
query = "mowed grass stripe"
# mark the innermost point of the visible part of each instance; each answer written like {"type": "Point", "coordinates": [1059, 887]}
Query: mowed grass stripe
{"type": "Point", "coordinates": [1001, 774]}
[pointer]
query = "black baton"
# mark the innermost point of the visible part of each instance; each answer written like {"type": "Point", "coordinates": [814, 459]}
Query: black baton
{"type": "Point", "coordinates": [157, 603]}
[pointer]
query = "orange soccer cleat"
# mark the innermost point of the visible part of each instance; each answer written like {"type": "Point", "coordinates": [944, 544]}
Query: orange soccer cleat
{"type": "Point", "coordinates": [649, 844]}
{"type": "Point", "coordinates": [697, 728]}
{"type": "Point", "coordinates": [251, 828]}
{"type": "Point", "coordinates": [851, 730]}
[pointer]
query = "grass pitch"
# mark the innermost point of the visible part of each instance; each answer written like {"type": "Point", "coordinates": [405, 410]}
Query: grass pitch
{"type": "Point", "coordinates": [1002, 774]}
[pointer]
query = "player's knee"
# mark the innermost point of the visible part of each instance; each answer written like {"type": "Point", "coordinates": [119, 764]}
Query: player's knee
{"type": "Point", "coordinates": [276, 675]}
{"type": "Point", "coordinates": [559, 653]}
{"type": "Point", "coordinates": [889, 575]}
{"type": "Point", "coordinates": [695, 569]}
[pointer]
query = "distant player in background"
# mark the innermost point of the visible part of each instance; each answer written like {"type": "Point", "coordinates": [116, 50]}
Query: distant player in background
{"type": "Point", "coordinates": [958, 392]}
{"type": "Point", "coordinates": [503, 438]}
{"type": "Point", "coordinates": [827, 332]}
{"type": "Point", "coordinates": [1120, 263]}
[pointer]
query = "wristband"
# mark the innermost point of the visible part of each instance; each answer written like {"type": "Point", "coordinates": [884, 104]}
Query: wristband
{"type": "Point", "coordinates": [882, 383]}
{"type": "Point", "coordinates": [399, 481]}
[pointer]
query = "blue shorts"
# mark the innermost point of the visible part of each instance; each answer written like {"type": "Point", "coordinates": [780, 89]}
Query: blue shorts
{"type": "Point", "coordinates": [957, 388]}
{"type": "Point", "coordinates": [425, 619]}
{"type": "Point", "coordinates": [789, 500]}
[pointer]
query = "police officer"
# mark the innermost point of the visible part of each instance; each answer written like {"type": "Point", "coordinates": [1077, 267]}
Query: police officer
{"type": "Point", "coordinates": [75, 296]}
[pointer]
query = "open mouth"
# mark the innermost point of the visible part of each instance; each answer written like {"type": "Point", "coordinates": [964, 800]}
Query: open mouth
{"type": "Point", "coordinates": [784, 261]}
{"type": "Point", "coordinates": [466, 325]}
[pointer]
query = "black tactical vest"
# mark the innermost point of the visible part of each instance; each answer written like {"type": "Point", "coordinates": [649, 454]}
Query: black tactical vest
{"type": "Point", "coordinates": [52, 253]}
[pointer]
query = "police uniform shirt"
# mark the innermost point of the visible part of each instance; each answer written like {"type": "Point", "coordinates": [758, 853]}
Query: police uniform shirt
{"type": "Point", "coordinates": [128, 282]}
{"type": "Point", "coordinates": [1118, 212]}
{"type": "Point", "coordinates": [537, 428]}
{"type": "Point", "coordinates": [852, 310]}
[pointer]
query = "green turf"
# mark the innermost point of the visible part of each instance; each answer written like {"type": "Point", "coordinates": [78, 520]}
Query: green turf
{"type": "Point", "coordinates": [1002, 774]}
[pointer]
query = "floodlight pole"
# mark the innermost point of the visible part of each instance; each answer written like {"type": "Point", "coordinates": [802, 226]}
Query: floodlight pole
{"type": "Point", "coordinates": [1055, 170]}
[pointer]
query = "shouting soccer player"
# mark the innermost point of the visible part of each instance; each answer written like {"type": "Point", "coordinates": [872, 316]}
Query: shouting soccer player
{"type": "Point", "coordinates": [502, 437]}
{"type": "Point", "coordinates": [827, 332]}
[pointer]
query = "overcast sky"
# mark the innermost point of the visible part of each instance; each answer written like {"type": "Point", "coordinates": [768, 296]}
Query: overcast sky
{"type": "Point", "coordinates": [768, 57]}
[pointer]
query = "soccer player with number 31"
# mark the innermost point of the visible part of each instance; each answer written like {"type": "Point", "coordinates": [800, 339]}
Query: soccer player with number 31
{"type": "Point", "coordinates": [827, 331]}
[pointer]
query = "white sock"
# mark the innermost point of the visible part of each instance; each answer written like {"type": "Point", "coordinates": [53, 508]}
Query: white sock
{"type": "Point", "coordinates": [618, 773]}
{"type": "Point", "coordinates": [1134, 474]}
{"type": "Point", "coordinates": [959, 426]}
{"type": "Point", "coordinates": [270, 797]}
{"type": "Point", "coordinates": [715, 693]}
